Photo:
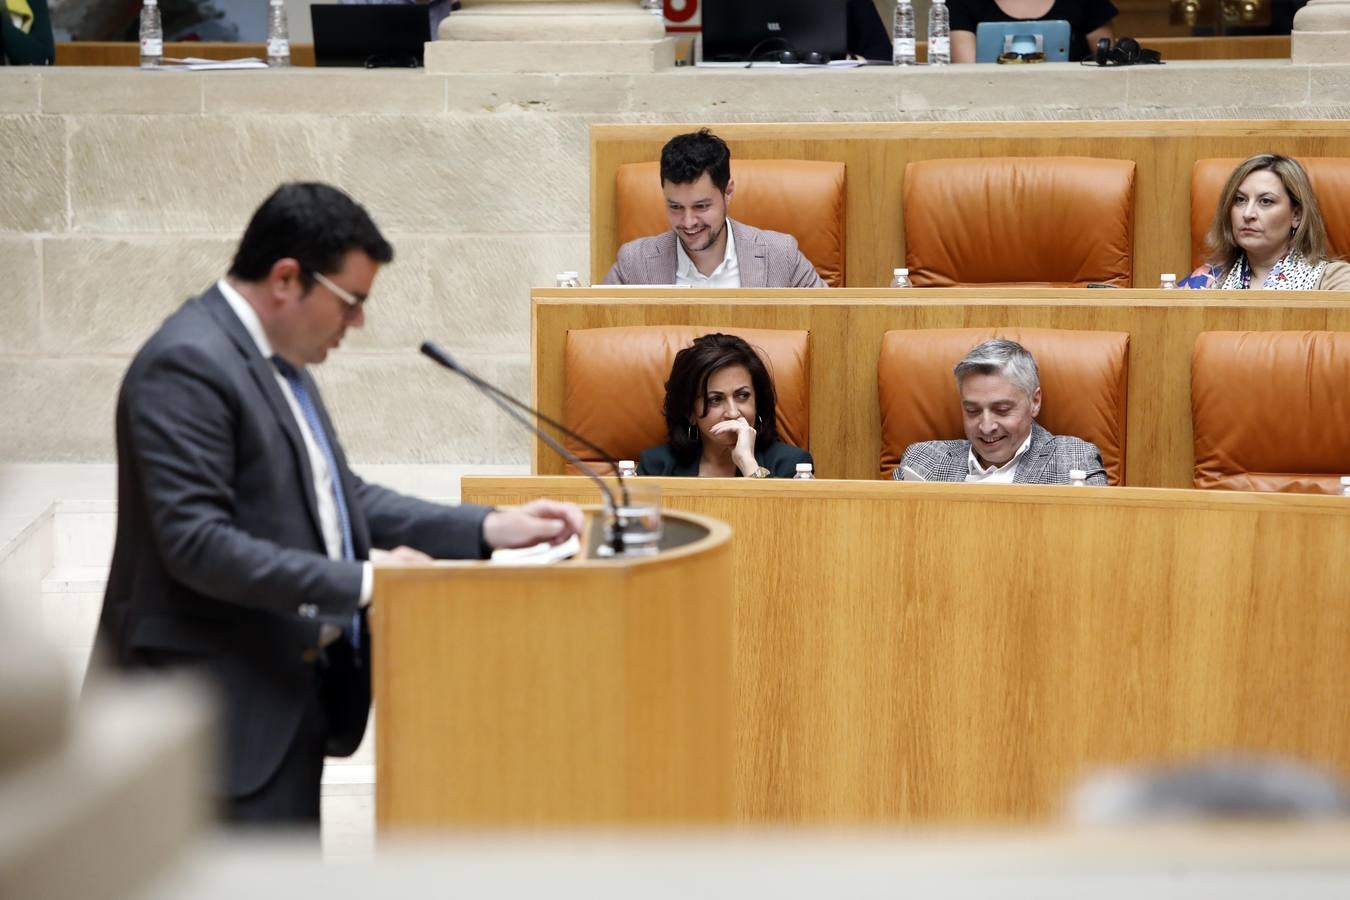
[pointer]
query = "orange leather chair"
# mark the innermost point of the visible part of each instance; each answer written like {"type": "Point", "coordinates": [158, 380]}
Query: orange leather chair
{"type": "Point", "coordinates": [1269, 410]}
{"type": "Point", "coordinates": [799, 197]}
{"type": "Point", "coordinates": [1330, 176]}
{"type": "Point", "coordinates": [1044, 221]}
{"type": "Point", "coordinates": [1083, 382]}
{"type": "Point", "coordinates": [615, 383]}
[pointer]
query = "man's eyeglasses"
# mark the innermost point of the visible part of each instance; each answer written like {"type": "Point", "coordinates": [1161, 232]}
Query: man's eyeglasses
{"type": "Point", "coordinates": [1012, 57]}
{"type": "Point", "coordinates": [353, 302]}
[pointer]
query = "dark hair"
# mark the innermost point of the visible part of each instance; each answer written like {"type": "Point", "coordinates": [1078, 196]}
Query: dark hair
{"type": "Point", "coordinates": [687, 389]}
{"type": "Point", "coordinates": [686, 157]}
{"type": "Point", "coordinates": [312, 223]}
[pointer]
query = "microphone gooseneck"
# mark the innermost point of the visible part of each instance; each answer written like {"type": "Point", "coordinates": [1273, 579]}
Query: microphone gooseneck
{"type": "Point", "coordinates": [506, 402]}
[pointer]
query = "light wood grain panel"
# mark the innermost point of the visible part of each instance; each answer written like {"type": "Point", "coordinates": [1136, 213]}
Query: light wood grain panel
{"type": "Point", "coordinates": [846, 329]}
{"type": "Point", "coordinates": [587, 692]}
{"type": "Point", "coordinates": [128, 53]}
{"type": "Point", "coordinates": [875, 155]}
{"type": "Point", "coordinates": [921, 653]}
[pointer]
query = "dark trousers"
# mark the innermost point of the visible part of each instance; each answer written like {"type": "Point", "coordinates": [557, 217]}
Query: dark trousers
{"type": "Point", "coordinates": [290, 798]}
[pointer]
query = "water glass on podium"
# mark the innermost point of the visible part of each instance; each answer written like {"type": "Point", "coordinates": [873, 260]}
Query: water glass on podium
{"type": "Point", "coordinates": [640, 520]}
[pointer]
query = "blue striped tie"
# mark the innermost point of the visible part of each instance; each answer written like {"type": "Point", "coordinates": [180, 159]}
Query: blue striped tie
{"type": "Point", "coordinates": [297, 382]}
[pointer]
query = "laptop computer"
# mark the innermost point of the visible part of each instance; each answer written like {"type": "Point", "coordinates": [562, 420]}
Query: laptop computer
{"type": "Point", "coordinates": [746, 30]}
{"type": "Point", "coordinates": [1051, 37]}
{"type": "Point", "coordinates": [369, 36]}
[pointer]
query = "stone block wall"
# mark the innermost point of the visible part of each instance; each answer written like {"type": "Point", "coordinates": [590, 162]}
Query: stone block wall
{"type": "Point", "coordinates": [122, 192]}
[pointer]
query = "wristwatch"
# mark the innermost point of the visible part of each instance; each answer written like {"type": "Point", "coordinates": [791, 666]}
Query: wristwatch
{"type": "Point", "coordinates": [761, 472]}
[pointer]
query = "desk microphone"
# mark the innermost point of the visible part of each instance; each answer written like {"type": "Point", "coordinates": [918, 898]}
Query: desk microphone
{"type": "Point", "coordinates": [505, 402]}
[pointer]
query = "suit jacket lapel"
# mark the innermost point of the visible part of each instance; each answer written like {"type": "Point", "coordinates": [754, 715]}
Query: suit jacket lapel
{"type": "Point", "coordinates": [661, 260]}
{"type": "Point", "coordinates": [264, 376]}
{"type": "Point", "coordinates": [752, 255]}
{"type": "Point", "coordinates": [1037, 457]}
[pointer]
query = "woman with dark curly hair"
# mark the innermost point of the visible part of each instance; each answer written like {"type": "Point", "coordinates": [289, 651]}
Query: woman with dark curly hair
{"type": "Point", "coordinates": [720, 416]}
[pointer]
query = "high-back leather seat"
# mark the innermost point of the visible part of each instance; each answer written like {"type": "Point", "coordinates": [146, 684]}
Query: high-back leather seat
{"type": "Point", "coordinates": [800, 197]}
{"type": "Point", "coordinates": [1083, 385]}
{"type": "Point", "coordinates": [615, 383]}
{"type": "Point", "coordinates": [1047, 221]}
{"type": "Point", "coordinates": [1330, 177]}
{"type": "Point", "coordinates": [1269, 410]}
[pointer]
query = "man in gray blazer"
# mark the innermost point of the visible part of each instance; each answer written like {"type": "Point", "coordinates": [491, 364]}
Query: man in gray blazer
{"type": "Point", "coordinates": [1000, 392]}
{"type": "Point", "coordinates": [705, 248]}
{"type": "Point", "coordinates": [242, 533]}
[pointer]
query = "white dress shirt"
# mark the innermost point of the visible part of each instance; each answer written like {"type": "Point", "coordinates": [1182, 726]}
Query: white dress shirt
{"type": "Point", "coordinates": [318, 464]}
{"type": "Point", "coordinates": [1003, 474]}
{"type": "Point", "coordinates": [726, 275]}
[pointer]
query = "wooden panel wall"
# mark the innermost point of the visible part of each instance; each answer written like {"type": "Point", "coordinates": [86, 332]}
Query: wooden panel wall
{"type": "Point", "coordinates": [846, 328]}
{"type": "Point", "coordinates": [876, 153]}
{"type": "Point", "coordinates": [937, 653]}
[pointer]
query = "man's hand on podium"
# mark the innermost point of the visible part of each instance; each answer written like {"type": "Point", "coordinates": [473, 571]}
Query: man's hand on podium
{"type": "Point", "coordinates": [535, 522]}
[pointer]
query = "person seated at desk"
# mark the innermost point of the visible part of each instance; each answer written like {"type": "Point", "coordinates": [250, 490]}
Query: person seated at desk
{"type": "Point", "coordinates": [1089, 21]}
{"type": "Point", "coordinates": [705, 248]}
{"type": "Point", "coordinates": [1000, 390]}
{"type": "Point", "coordinates": [26, 33]}
{"type": "Point", "coordinates": [1268, 233]}
{"type": "Point", "coordinates": [720, 416]}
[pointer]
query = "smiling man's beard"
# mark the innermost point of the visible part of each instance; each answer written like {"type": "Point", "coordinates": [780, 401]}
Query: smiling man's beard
{"type": "Point", "coordinates": [713, 235]}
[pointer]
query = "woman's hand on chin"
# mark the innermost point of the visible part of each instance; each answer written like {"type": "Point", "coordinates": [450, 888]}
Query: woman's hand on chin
{"type": "Point", "coordinates": [743, 453]}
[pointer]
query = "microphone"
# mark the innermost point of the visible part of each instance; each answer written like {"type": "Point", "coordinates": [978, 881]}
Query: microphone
{"type": "Point", "coordinates": [505, 402]}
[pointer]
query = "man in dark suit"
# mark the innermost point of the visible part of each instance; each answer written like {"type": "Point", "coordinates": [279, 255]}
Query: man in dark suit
{"type": "Point", "coordinates": [242, 535]}
{"type": "Point", "coordinates": [1000, 390]}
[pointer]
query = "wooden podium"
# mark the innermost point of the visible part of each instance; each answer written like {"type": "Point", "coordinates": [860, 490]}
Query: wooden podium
{"type": "Point", "coordinates": [590, 691]}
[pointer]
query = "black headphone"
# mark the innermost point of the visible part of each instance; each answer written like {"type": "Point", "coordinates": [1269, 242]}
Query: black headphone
{"type": "Point", "coordinates": [1126, 52]}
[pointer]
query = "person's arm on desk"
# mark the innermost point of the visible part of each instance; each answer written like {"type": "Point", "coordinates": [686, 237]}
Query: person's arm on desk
{"type": "Point", "coordinates": [963, 24]}
{"type": "Point", "coordinates": [963, 46]}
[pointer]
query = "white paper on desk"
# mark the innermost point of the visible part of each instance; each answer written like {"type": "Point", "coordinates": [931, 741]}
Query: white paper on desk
{"type": "Point", "coordinates": [193, 64]}
{"type": "Point", "coordinates": [539, 554]}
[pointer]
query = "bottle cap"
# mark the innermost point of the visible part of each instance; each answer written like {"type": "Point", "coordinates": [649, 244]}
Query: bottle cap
{"type": "Point", "coordinates": [627, 464]}
{"type": "Point", "coordinates": [901, 272]}
{"type": "Point", "coordinates": [152, 2]}
{"type": "Point", "coordinates": [1077, 475]}
{"type": "Point", "coordinates": [1169, 276]}
{"type": "Point", "coordinates": [804, 467]}
{"type": "Point", "coordinates": [1345, 481]}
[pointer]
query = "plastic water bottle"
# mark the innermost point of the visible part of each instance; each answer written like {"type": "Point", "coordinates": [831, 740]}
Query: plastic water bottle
{"type": "Point", "coordinates": [939, 34]}
{"type": "Point", "coordinates": [902, 34]}
{"type": "Point", "coordinates": [568, 279]}
{"type": "Point", "coordinates": [1169, 282]}
{"type": "Point", "coordinates": [900, 279]}
{"type": "Point", "coordinates": [1077, 478]}
{"type": "Point", "coordinates": [278, 35]}
{"type": "Point", "coordinates": [655, 7]}
{"type": "Point", "coordinates": [152, 35]}
{"type": "Point", "coordinates": [627, 468]}
{"type": "Point", "coordinates": [805, 471]}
